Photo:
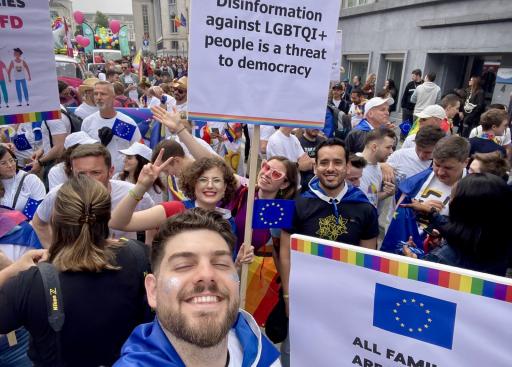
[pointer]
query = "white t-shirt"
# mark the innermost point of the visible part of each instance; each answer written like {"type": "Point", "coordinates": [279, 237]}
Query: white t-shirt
{"type": "Point", "coordinates": [433, 189]}
{"type": "Point", "coordinates": [287, 146]}
{"type": "Point", "coordinates": [93, 123]}
{"type": "Point", "coordinates": [57, 175]}
{"type": "Point", "coordinates": [85, 110]}
{"type": "Point", "coordinates": [118, 190]}
{"type": "Point", "coordinates": [154, 101]}
{"type": "Point", "coordinates": [371, 182]}
{"type": "Point", "coordinates": [57, 127]}
{"type": "Point", "coordinates": [356, 114]}
{"type": "Point", "coordinates": [406, 163]}
{"type": "Point", "coordinates": [409, 142]}
{"type": "Point", "coordinates": [170, 102]}
{"type": "Point", "coordinates": [266, 131]}
{"type": "Point", "coordinates": [155, 196]}
{"type": "Point", "coordinates": [504, 140]}
{"type": "Point", "coordinates": [33, 188]}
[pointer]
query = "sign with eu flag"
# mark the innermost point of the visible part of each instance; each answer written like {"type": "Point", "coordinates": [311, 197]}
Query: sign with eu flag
{"type": "Point", "coordinates": [414, 315]}
{"type": "Point", "coordinates": [275, 213]}
{"type": "Point", "coordinates": [352, 306]}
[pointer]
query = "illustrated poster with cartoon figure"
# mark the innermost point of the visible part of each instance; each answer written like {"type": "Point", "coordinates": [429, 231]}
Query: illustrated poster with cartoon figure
{"type": "Point", "coordinates": [28, 77]}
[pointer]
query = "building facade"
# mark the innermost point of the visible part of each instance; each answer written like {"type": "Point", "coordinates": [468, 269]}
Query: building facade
{"type": "Point", "coordinates": [453, 38]}
{"type": "Point", "coordinates": [156, 29]}
{"type": "Point", "coordinates": [62, 8]}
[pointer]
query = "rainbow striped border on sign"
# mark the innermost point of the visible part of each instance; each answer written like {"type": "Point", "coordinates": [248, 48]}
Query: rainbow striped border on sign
{"type": "Point", "coordinates": [29, 117]}
{"type": "Point", "coordinates": [254, 120]}
{"type": "Point", "coordinates": [457, 282]}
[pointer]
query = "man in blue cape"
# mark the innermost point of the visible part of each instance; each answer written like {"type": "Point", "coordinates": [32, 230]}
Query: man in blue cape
{"type": "Point", "coordinates": [194, 289]}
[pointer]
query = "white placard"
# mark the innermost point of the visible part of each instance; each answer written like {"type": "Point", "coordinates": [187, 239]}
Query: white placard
{"type": "Point", "coordinates": [336, 64]}
{"type": "Point", "coordinates": [28, 83]}
{"type": "Point", "coordinates": [351, 306]}
{"type": "Point", "coordinates": [261, 62]}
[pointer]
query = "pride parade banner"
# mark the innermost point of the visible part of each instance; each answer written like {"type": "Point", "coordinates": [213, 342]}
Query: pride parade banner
{"type": "Point", "coordinates": [28, 78]}
{"type": "Point", "coordinates": [352, 306]}
{"type": "Point", "coordinates": [261, 62]}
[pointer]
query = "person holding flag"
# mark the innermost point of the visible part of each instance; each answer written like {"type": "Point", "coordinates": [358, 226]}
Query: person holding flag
{"type": "Point", "coordinates": [113, 129]}
{"type": "Point", "coordinates": [21, 191]}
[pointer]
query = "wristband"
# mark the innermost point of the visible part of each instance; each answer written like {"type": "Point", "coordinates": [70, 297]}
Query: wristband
{"type": "Point", "coordinates": [134, 195]}
{"type": "Point", "coordinates": [180, 130]}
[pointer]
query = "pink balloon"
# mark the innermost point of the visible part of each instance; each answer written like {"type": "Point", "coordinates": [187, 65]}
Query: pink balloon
{"type": "Point", "coordinates": [78, 16]}
{"type": "Point", "coordinates": [84, 42]}
{"type": "Point", "coordinates": [78, 38]}
{"type": "Point", "coordinates": [115, 26]}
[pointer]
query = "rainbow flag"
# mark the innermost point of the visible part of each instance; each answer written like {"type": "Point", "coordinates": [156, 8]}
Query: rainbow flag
{"type": "Point", "coordinates": [177, 21]}
{"type": "Point", "coordinates": [230, 134]}
{"type": "Point", "coordinates": [262, 288]}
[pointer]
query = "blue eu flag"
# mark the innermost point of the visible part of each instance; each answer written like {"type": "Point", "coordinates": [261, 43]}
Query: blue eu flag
{"type": "Point", "coordinates": [414, 315]}
{"type": "Point", "coordinates": [402, 226]}
{"type": "Point", "coordinates": [123, 129]}
{"type": "Point", "coordinates": [31, 207]}
{"type": "Point", "coordinates": [273, 213]}
{"type": "Point", "coordinates": [21, 142]}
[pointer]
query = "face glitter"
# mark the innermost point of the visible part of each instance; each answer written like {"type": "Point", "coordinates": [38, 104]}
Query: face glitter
{"type": "Point", "coordinates": [234, 277]}
{"type": "Point", "coordinates": [172, 284]}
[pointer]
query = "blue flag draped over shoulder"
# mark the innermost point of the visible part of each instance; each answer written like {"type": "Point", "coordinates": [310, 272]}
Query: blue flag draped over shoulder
{"type": "Point", "coordinates": [31, 207]}
{"type": "Point", "coordinates": [123, 129]}
{"type": "Point", "coordinates": [273, 213]}
{"type": "Point", "coordinates": [414, 315]}
{"type": "Point", "coordinates": [22, 235]}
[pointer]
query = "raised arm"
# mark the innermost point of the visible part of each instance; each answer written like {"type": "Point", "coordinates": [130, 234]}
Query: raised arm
{"type": "Point", "coordinates": [125, 218]}
{"type": "Point", "coordinates": [174, 123]}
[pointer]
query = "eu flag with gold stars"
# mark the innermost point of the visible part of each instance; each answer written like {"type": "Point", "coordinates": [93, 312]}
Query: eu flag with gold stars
{"type": "Point", "coordinates": [21, 142]}
{"type": "Point", "coordinates": [123, 129]}
{"type": "Point", "coordinates": [31, 207]}
{"type": "Point", "coordinates": [414, 315]}
{"type": "Point", "coordinates": [275, 213]}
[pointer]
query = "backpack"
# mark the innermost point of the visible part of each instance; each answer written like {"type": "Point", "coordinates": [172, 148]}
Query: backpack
{"type": "Point", "coordinates": [74, 120]}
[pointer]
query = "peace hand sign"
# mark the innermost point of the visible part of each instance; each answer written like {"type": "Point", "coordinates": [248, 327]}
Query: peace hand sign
{"type": "Point", "coordinates": [151, 171]}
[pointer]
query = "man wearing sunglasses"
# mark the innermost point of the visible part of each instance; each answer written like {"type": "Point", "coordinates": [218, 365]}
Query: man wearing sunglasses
{"type": "Point", "coordinates": [130, 81]}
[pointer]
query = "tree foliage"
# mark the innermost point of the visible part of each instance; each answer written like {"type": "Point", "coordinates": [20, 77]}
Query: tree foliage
{"type": "Point", "coordinates": [101, 19]}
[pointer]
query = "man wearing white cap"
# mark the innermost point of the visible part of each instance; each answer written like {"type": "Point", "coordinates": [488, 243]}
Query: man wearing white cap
{"type": "Point", "coordinates": [432, 115]}
{"type": "Point", "coordinates": [376, 115]}
{"type": "Point", "coordinates": [58, 174]}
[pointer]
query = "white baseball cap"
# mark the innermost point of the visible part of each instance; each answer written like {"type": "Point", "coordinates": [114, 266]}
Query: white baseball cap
{"type": "Point", "coordinates": [80, 137]}
{"type": "Point", "coordinates": [432, 111]}
{"type": "Point", "coordinates": [375, 102]}
{"type": "Point", "coordinates": [138, 149]}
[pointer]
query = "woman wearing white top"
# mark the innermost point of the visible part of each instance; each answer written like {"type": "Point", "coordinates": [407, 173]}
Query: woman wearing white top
{"type": "Point", "coordinates": [136, 156]}
{"type": "Point", "coordinates": [20, 190]}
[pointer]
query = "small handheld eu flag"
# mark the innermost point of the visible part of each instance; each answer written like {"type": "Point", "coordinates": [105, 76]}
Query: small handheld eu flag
{"type": "Point", "coordinates": [31, 207]}
{"type": "Point", "coordinates": [21, 142]}
{"type": "Point", "coordinates": [123, 129]}
{"type": "Point", "coordinates": [276, 213]}
{"type": "Point", "coordinates": [414, 315]}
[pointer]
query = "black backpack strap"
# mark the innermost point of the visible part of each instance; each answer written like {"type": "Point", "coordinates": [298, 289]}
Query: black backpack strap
{"type": "Point", "coordinates": [18, 191]}
{"type": "Point", "coordinates": [54, 302]}
{"type": "Point", "coordinates": [49, 133]}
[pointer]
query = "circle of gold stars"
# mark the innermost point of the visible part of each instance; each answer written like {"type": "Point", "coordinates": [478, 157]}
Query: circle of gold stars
{"type": "Point", "coordinates": [271, 206]}
{"type": "Point", "coordinates": [424, 310]}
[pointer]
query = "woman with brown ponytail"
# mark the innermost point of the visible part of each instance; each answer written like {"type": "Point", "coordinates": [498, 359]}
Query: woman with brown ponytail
{"type": "Point", "coordinates": [101, 281]}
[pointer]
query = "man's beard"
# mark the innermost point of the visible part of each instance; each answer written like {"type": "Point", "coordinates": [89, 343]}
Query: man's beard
{"type": "Point", "coordinates": [206, 332]}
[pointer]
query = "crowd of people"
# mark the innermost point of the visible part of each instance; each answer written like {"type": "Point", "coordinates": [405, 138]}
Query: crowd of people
{"type": "Point", "coordinates": [132, 223]}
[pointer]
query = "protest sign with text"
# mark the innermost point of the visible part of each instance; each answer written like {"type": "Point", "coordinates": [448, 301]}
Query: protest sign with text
{"type": "Point", "coordinates": [28, 77]}
{"type": "Point", "coordinates": [351, 306]}
{"type": "Point", "coordinates": [261, 62]}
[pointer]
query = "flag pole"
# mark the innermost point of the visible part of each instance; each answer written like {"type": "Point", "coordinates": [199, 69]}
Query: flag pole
{"type": "Point", "coordinates": [253, 167]}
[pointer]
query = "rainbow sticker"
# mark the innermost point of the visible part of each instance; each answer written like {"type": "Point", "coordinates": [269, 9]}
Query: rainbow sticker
{"type": "Point", "coordinates": [29, 117]}
{"type": "Point", "coordinates": [255, 120]}
{"type": "Point", "coordinates": [446, 279]}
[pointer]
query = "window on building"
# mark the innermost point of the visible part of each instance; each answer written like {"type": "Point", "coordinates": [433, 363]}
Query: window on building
{"type": "Point", "coordinates": [394, 68]}
{"type": "Point", "coordinates": [174, 29]}
{"type": "Point", "coordinates": [357, 65]}
{"type": "Point", "coordinates": [174, 45]}
{"type": "Point", "coordinates": [145, 18]}
{"type": "Point", "coordinates": [354, 3]}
